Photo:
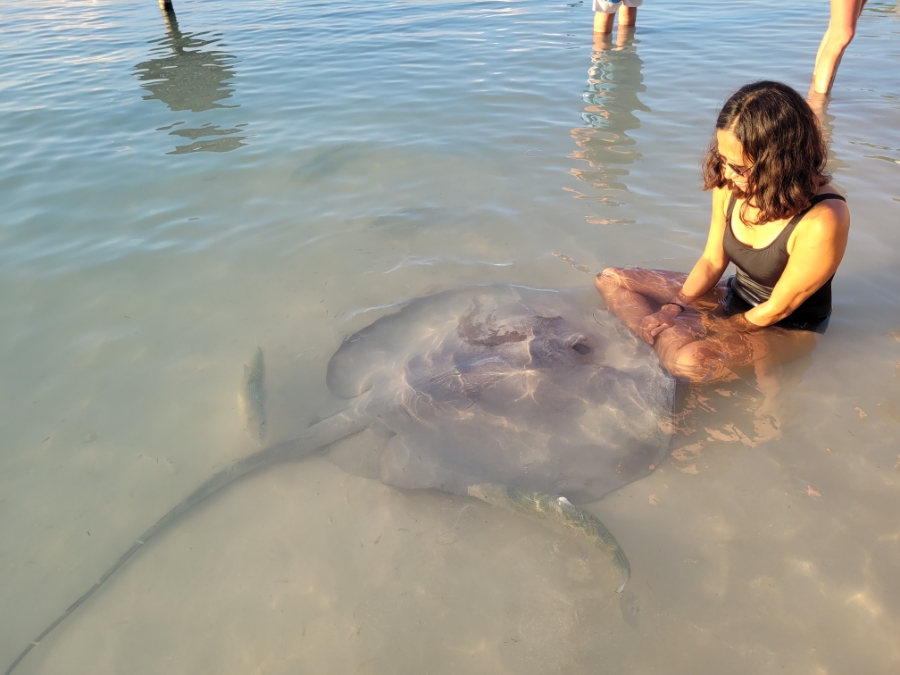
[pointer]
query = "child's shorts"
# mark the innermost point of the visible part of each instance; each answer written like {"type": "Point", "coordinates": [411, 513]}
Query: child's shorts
{"type": "Point", "coordinates": [606, 7]}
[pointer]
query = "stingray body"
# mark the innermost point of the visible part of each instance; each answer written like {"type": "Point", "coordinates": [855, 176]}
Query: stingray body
{"type": "Point", "coordinates": [505, 385]}
{"type": "Point", "coordinates": [527, 399]}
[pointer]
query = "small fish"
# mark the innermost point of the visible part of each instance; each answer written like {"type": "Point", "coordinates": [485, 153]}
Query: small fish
{"type": "Point", "coordinates": [556, 511]}
{"type": "Point", "coordinates": [252, 397]}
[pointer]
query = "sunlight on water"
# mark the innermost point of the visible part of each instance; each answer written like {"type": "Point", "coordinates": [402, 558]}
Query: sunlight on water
{"type": "Point", "coordinates": [177, 192]}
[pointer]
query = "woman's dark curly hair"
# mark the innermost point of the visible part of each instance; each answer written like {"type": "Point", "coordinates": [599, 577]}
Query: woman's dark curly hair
{"type": "Point", "coordinates": [782, 139]}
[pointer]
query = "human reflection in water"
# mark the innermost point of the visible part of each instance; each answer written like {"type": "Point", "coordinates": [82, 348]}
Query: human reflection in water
{"type": "Point", "coordinates": [819, 104]}
{"type": "Point", "coordinates": [186, 77]}
{"type": "Point", "coordinates": [775, 216]}
{"type": "Point", "coordinates": [614, 82]}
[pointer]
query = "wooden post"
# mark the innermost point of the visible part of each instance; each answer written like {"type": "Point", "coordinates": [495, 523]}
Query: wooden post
{"type": "Point", "coordinates": [166, 5]}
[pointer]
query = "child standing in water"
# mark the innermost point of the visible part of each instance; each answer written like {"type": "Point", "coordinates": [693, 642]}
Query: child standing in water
{"type": "Point", "coordinates": [605, 14]}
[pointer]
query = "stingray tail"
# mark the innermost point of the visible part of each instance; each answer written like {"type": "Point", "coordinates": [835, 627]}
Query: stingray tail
{"type": "Point", "coordinates": [314, 438]}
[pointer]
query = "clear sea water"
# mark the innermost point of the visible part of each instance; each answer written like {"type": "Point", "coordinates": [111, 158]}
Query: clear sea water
{"type": "Point", "coordinates": [271, 173]}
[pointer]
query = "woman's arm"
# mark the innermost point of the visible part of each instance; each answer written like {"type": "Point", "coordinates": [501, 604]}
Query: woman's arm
{"type": "Point", "coordinates": [818, 247]}
{"type": "Point", "coordinates": [706, 273]}
{"type": "Point", "coordinates": [713, 262]}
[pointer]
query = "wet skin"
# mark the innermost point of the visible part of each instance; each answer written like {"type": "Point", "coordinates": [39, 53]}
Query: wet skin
{"type": "Point", "coordinates": [700, 344]}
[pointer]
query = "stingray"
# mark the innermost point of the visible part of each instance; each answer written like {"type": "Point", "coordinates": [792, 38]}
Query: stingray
{"type": "Point", "coordinates": [527, 399]}
{"type": "Point", "coordinates": [506, 385]}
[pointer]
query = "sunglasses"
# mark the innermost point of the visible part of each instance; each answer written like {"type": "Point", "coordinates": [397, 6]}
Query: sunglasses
{"type": "Point", "coordinates": [741, 171]}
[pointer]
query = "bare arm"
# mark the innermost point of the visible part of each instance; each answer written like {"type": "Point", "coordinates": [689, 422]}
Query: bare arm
{"type": "Point", "coordinates": [713, 262]}
{"type": "Point", "coordinates": [706, 273]}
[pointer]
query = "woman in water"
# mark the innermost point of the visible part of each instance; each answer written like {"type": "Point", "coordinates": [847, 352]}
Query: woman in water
{"type": "Point", "coordinates": [775, 216]}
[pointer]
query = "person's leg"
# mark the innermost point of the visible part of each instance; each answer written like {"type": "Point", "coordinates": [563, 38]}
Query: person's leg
{"type": "Point", "coordinates": [684, 350]}
{"type": "Point", "coordinates": [602, 43]}
{"type": "Point", "coordinates": [624, 36]}
{"type": "Point", "coordinates": [633, 293]}
{"type": "Point", "coordinates": [603, 23]}
{"type": "Point", "coordinates": [716, 358]}
{"type": "Point", "coordinates": [627, 16]}
{"type": "Point", "coordinates": [627, 21]}
{"type": "Point", "coordinates": [604, 15]}
{"type": "Point", "coordinates": [840, 32]}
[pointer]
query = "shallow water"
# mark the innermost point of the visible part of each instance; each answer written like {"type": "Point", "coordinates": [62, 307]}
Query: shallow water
{"type": "Point", "coordinates": [273, 173]}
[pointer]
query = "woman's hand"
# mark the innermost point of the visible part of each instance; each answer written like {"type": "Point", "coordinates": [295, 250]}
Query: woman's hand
{"type": "Point", "coordinates": [654, 324]}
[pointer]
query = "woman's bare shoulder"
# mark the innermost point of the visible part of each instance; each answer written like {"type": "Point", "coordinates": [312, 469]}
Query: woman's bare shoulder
{"type": "Point", "coordinates": [828, 221]}
{"type": "Point", "coordinates": [829, 212]}
{"type": "Point", "coordinates": [720, 197]}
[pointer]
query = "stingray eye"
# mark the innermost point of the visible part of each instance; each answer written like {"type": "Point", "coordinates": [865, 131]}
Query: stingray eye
{"type": "Point", "coordinates": [581, 348]}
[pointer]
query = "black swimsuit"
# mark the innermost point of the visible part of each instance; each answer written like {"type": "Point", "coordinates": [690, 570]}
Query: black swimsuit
{"type": "Point", "coordinates": [759, 269]}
